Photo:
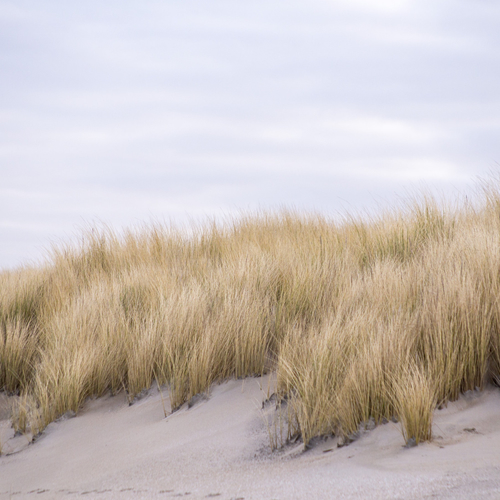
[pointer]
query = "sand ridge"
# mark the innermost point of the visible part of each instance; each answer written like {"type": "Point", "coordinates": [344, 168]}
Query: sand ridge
{"type": "Point", "coordinates": [219, 448]}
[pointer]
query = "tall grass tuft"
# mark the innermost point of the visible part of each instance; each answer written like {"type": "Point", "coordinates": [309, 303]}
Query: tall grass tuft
{"type": "Point", "coordinates": [362, 319]}
{"type": "Point", "coordinates": [414, 399]}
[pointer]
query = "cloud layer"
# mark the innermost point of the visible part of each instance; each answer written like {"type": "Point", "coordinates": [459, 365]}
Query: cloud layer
{"type": "Point", "coordinates": [130, 111]}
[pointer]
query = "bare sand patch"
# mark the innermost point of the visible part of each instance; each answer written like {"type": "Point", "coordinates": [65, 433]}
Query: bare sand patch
{"type": "Point", "coordinates": [219, 448]}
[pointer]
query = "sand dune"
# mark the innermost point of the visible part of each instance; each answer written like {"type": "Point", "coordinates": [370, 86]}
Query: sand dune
{"type": "Point", "coordinates": [219, 448]}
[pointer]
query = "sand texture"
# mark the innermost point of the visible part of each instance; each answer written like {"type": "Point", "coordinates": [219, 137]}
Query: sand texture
{"type": "Point", "coordinates": [219, 448]}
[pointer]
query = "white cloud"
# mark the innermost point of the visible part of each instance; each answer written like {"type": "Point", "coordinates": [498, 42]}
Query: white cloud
{"type": "Point", "coordinates": [421, 169]}
{"type": "Point", "coordinates": [378, 6]}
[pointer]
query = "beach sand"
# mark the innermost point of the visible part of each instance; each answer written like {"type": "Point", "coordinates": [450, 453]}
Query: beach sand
{"type": "Point", "coordinates": [219, 448]}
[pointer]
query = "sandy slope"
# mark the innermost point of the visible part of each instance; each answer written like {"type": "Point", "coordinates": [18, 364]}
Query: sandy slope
{"type": "Point", "coordinates": [219, 449]}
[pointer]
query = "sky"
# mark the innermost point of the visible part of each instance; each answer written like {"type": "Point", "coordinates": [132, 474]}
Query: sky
{"type": "Point", "coordinates": [126, 112]}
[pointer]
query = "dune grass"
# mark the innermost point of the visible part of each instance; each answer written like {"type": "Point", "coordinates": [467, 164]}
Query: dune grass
{"type": "Point", "coordinates": [361, 319]}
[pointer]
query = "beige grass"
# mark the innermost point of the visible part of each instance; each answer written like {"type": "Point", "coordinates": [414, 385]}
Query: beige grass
{"type": "Point", "coordinates": [361, 319]}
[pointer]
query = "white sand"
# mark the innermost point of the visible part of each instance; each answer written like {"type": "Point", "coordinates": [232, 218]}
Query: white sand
{"type": "Point", "coordinates": [219, 448]}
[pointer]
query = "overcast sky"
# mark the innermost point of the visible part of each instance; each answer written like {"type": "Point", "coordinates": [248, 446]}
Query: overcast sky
{"type": "Point", "coordinates": [127, 111]}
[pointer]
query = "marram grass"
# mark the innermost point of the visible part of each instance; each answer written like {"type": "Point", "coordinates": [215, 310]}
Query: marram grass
{"type": "Point", "coordinates": [360, 319]}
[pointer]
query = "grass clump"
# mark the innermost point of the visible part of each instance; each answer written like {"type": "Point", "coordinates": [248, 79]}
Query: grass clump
{"type": "Point", "coordinates": [361, 319]}
{"type": "Point", "coordinates": [414, 401]}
